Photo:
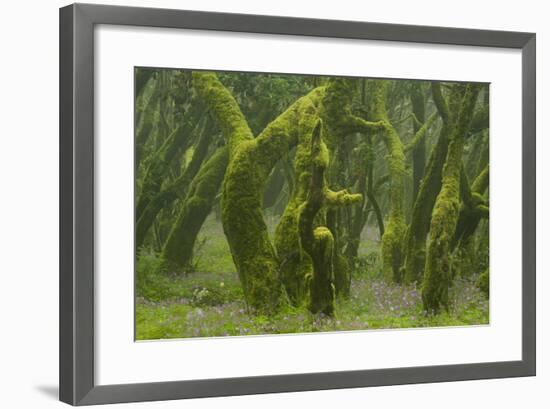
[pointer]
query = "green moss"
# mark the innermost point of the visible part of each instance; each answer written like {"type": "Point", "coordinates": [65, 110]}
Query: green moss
{"type": "Point", "coordinates": [178, 248]}
{"type": "Point", "coordinates": [474, 208]}
{"type": "Point", "coordinates": [394, 233]}
{"type": "Point", "coordinates": [332, 104]}
{"type": "Point", "coordinates": [174, 190]}
{"type": "Point", "coordinates": [437, 276]}
{"type": "Point", "coordinates": [415, 243]}
{"type": "Point", "coordinates": [481, 182]}
{"type": "Point", "coordinates": [224, 107]}
{"type": "Point", "coordinates": [317, 241]}
{"type": "Point", "coordinates": [251, 162]}
{"type": "Point", "coordinates": [158, 164]}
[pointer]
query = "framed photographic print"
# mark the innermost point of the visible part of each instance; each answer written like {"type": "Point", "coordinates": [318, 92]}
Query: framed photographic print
{"type": "Point", "coordinates": [254, 204]}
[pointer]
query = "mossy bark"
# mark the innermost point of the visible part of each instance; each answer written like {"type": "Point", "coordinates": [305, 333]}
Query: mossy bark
{"type": "Point", "coordinates": [417, 232]}
{"type": "Point", "coordinates": [176, 143]}
{"type": "Point", "coordinates": [415, 244]}
{"type": "Point", "coordinates": [175, 189]}
{"type": "Point", "coordinates": [392, 240]}
{"type": "Point", "coordinates": [437, 276]}
{"type": "Point", "coordinates": [363, 162]}
{"type": "Point", "coordinates": [473, 209]}
{"type": "Point", "coordinates": [294, 268]}
{"type": "Point", "coordinates": [146, 120]}
{"type": "Point", "coordinates": [318, 241]}
{"type": "Point", "coordinates": [419, 151]}
{"type": "Point", "coordinates": [250, 163]}
{"type": "Point", "coordinates": [332, 103]}
{"type": "Point", "coordinates": [178, 249]}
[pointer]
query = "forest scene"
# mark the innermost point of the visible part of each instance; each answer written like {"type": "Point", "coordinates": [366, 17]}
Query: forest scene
{"type": "Point", "coordinates": [278, 203]}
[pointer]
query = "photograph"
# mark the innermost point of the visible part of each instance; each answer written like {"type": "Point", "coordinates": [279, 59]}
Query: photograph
{"type": "Point", "coordinates": [284, 203]}
{"type": "Point", "coordinates": [246, 204]}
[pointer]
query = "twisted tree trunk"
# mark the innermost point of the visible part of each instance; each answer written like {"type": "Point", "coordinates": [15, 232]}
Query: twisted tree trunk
{"type": "Point", "coordinates": [250, 163]}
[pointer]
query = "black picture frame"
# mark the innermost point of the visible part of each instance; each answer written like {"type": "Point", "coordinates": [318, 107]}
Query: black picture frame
{"type": "Point", "coordinates": [77, 21]}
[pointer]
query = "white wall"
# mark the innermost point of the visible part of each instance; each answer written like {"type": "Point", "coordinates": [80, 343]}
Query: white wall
{"type": "Point", "coordinates": [29, 200]}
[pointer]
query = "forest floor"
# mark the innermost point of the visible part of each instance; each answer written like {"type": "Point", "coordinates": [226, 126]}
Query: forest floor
{"type": "Point", "coordinates": [209, 302]}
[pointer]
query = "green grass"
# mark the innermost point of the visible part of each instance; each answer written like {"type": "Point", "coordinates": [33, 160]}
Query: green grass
{"type": "Point", "coordinates": [212, 253]}
{"type": "Point", "coordinates": [207, 308]}
{"type": "Point", "coordinates": [209, 302]}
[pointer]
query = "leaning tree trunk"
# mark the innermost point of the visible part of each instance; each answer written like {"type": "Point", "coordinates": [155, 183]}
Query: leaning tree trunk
{"type": "Point", "coordinates": [146, 119]}
{"type": "Point", "coordinates": [172, 147]}
{"type": "Point", "coordinates": [178, 249]}
{"type": "Point", "coordinates": [178, 188]}
{"type": "Point", "coordinates": [437, 275]}
{"type": "Point", "coordinates": [415, 242]}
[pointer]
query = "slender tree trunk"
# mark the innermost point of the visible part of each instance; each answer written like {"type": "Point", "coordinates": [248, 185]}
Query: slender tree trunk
{"type": "Point", "coordinates": [415, 244]}
{"type": "Point", "coordinates": [419, 151]}
{"type": "Point", "coordinates": [174, 145]}
{"type": "Point", "coordinates": [437, 276]}
{"type": "Point", "coordinates": [392, 240]}
{"type": "Point", "coordinates": [473, 210]}
{"type": "Point", "coordinates": [176, 189]}
{"type": "Point", "coordinates": [178, 249]}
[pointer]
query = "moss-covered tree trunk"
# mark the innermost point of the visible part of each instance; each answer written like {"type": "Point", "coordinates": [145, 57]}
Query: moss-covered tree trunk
{"type": "Point", "coordinates": [250, 163]}
{"type": "Point", "coordinates": [175, 189]}
{"type": "Point", "coordinates": [146, 118]}
{"type": "Point", "coordinates": [392, 240]}
{"type": "Point", "coordinates": [363, 168]}
{"type": "Point", "coordinates": [178, 249]}
{"type": "Point", "coordinates": [437, 275]}
{"type": "Point", "coordinates": [419, 151]}
{"type": "Point", "coordinates": [415, 244]}
{"type": "Point", "coordinates": [332, 103]}
{"type": "Point", "coordinates": [176, 143]}
{"type": "Point", "coordinates": [317, 242]}
{"type": "Point", "coordinates": [473, 209]}
{"type": "Point", "coordinates": [315, 238]}
{"type": "Point", "coordinates": [251, 160]}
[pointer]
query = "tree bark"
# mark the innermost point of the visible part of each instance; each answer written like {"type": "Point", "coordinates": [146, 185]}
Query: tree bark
{"type": "Point", "coordinates": [419, 151]}
{"type": "Point", "coordinates": [392, 240]}
{"type": "Point", "coordinates": [176, 189]}
{"type": "Point", "coordinates": [178, 249]}
{"type": "Point", "coordinates": [437, 276]}
{"type": "Point", "coordinates": [173, 146]}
